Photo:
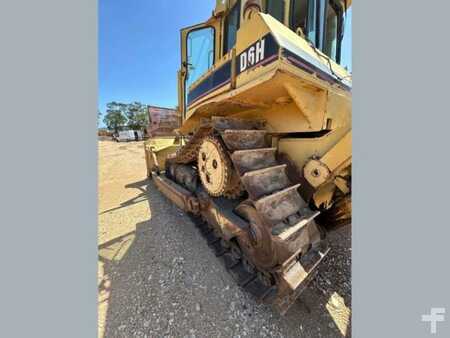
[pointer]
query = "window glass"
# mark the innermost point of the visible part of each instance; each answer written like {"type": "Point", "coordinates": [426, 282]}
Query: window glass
{"type": "Point", "coordinates": [311, 29]}
{"type": "Point", "coordinates": [299, 15]}
{"type": "Point", "coordinates": [200, 53]}
{"type": "Point", "coordinates": [276, 9]}
{"type": "Point", "coordinates": [304, 16]}
{"type": "Point", "coordinates": [232, 24]}
{"type": "Point", "coordinates": [331, 32]}
{"type": "Point", "coordinates": [320, 22]}
{"type": "Point", "coordinates": [346, 44]}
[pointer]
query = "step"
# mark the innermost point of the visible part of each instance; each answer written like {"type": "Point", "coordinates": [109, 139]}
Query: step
{"type": "Point", "coordinates": [262, 182]}
{"type": "Point", "coordinates": [244, 139]}
{"type": "Point", "coordinates": [253, 159]}
{"type": "Point", "coordinates": [284, 231]}
{"type": "Point", "coordinates": [223, 123]}
{"type": "Point", "coordinates": [280, 205]}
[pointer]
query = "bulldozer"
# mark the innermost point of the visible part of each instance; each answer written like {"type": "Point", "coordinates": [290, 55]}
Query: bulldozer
{"type": "Point", "coordinates": [262, 159]}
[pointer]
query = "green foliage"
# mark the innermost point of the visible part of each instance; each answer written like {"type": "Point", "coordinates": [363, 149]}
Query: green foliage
{"type": "Point", "coordinates": [115, 119]}
{"type": "Point", "coordinates": [137, 115]}
{"type": "Point", "coordinates": [132, 115]}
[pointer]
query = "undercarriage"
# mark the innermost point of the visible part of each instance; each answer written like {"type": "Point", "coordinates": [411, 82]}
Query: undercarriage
{"type": "Point", "coordinates": [241, 196]}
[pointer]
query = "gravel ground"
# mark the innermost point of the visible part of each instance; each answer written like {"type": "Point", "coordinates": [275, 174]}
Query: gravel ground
{"type": "Point", "coordinates": [158, 278]}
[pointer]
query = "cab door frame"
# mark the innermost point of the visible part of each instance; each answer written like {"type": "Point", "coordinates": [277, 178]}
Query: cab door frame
{"type": "Point", "coordinates": [183, 72]}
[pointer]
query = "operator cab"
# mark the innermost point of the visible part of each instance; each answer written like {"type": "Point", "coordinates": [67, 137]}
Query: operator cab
{"type": "Point", "coordinates": [321, 22]}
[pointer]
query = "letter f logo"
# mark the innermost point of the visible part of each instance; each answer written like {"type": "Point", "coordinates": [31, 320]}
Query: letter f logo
{"type": "Point", "coordinates": [436, 315]}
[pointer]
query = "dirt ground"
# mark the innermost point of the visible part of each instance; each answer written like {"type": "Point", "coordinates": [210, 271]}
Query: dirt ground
{"type": "Point", "coordinates": [158, 278]}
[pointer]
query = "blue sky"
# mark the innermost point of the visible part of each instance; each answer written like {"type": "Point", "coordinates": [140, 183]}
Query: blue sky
{"type": "Point", "coordinates": [347, 42]}
{"type": "Point", "coordinates": [139, 43]}
{"type": "Point", "coordinates": [139, 47]}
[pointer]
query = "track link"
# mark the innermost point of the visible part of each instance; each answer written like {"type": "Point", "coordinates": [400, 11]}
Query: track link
{"type": "Point", "coordinates": [286, 217]}
{"type": "Point", "coordinates": [264, 179]}
{"type": "Point", "coordinates": [249, 281]}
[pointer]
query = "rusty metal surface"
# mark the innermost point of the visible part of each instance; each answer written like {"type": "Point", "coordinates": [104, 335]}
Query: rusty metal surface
{"type": "Point", "coordinates": [188, 153]}
{"type": "Point", "coordinates": [244, 139]}
{"type": "Point", "coordinates": [257, 242]}
{"type": "Point", "coordinates": [219, 229]}
{"type": "Point", "coordinates": [214, 167]}
{"type": "Point", "coordinates": [265, 181]}
{"type": "Point", "coordinates": [224, 123]}
{"type": "Point", "coordinates": [292, 279]}
{"type": "Point", "coordinates": [253, 159]}
{"type": "Point", "coordinates": [277, 207]}
{"type": "Point", "coordinates": [187, 176]}
{"type": "Point", "coordinates": [305, 272]}
{"type": "Point", "coordinates": [262, 260]}
{"type": "Point", "coordinates": [177, 194]}
{"type": "Point", "coordinates": [219, 217]}
{"type": "Point", "coordinates": [284, 232]}
{"type": "Point", "coordinates": [163, 121]}
{"type": "Point", "coordinates": [339, 215]}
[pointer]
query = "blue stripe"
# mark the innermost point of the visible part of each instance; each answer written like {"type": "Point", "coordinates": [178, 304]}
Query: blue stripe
{"type": "Point", "coordinates": [310, 68]}
{"type": "Point", "coordinates": [218, 77]}
{"type": "Point", "coordinates": [223, 74]}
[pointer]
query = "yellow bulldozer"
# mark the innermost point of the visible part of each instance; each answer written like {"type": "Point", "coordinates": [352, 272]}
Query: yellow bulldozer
{"type": "Point", "coordinates": [262, 159]}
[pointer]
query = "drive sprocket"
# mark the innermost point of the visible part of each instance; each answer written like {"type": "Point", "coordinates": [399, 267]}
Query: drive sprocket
{"type": "Point", "coordinates": [215, 168]}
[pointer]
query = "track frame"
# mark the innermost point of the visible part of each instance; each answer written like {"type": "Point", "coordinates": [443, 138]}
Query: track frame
{"type": "Point", "coordinates": [221, 227]}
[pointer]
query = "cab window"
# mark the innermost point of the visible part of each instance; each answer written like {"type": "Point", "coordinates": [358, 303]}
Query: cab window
{"type": "Point", "coordinates": [232, 24]}
{"type": "Point", "coordinates": [331, 31]}
{"type": "Point", "coordinates": [303, 16]}
{"type": "Point", "coordinates": [276, 9]}
{"type": "Point", "coordinates": [321, 23]}
{"type": "Point", "coordinates": [200, 53]}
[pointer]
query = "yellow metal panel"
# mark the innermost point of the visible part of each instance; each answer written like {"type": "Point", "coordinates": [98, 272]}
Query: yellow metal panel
{"type": "Point", "coordinates": [339, 154]}
{"type": "Point", "coordinates": [300, 150]}
{"type": "Point", "coordinates": [286, 37]}
{"type": "Point", "coordinates": [250, 32]}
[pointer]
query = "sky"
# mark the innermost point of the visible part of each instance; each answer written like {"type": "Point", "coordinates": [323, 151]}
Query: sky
{"type": "Point", "coordinates": [347, 41]}
{"type": "Point", "coordinates": [139, 48]}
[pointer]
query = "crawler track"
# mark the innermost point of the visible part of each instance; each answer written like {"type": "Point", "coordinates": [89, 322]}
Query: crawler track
{"type": "Point", "coordinates": [235, 265]}
{"type": "Point", "coordinates": [280, 226]}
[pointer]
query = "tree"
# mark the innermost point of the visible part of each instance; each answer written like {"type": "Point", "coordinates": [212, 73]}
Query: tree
{"type": "Point", "coordinates": [136, 113]}
{"type": "Point", "coordinates": [133, 115]}
{"type": "Point", "coordinates": [115, 118]}
{"type": "Point", "coordinates": [99, 115]}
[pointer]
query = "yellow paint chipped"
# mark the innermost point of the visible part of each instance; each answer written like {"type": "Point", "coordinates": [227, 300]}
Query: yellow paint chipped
{"type": "Point", "coordinates": [339, 312]}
